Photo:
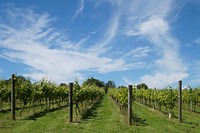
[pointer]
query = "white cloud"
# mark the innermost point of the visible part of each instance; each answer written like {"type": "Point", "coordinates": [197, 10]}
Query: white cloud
{"type": "Point", "coordinates": [139, 52]}
{"type": "Point", "coordinates": [194, 77]}
{"type": "Point", "coordinates": [197, 41]}
{"type": "Point", "coordinates": [149, 27]}
{"type": "Point", "coordinates": [79, 10]}
{"type": "Point", "coordinates": [152, 24]}
{"type": "Point", "coordinates": [110, 33]}
{"type": "Point", "coordinates": [30, 45]}
{"type": "Point", "coordinates": [162, 79]}
{"type": "Point", "coordinates": [119, 65]}
{"type": "Point", "coordinates": [170, 68]}
{"type": "Point", "coordinates": [127, 81]}
{"type": "Point", "coordinates": [179, 7]}
{"type": "Point", "coordinates": [30, 42]}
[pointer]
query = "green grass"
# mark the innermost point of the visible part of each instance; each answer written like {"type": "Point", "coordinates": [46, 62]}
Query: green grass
{"type": "Point", "coordinates": [156, 122]}
{"type": "Point", "coordinates": [103, 117]}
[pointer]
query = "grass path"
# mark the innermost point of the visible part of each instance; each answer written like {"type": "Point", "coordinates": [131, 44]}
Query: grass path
{"type": "Point", "coordinates": [103, 117]}
{"type": "Point", "coordinates": [159, 123]}
{"type": "Point", "coordinates": [108, 119]}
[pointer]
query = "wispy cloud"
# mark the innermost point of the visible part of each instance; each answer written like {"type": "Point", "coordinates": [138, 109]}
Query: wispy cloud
{"type": "Point", "coordinates": [30, 39]}
{"type": "Point", "coordinates": [1, 70]}
{"type": "Point", "coordinates": [194, 77]}
{"type": "Point", "coordinates": [127, 81]}
{"type": "Point", "coordinates": [139, 52]}
{"type": "Point", "coordinates": [180, 4]}
{"type": "Point", "coordinates": [111, 32]}
{"type": "Point", "coordinates": [197, 40]}
{"type": "Point", "coordinates": [152, 23]}
{"type": "Point", "coordinates": [169, 67]}
{"type": "Point", "coordinates": [79, 10]}
{"type": "Point", "coordinates": [46, 51]}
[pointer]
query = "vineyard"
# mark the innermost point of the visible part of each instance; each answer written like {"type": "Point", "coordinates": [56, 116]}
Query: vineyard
{"type": "Point", "coordinates": [95, 110]}
{"type": "Point", "coordinates": [45, 95]}
{"type": "Point", "coordinates": [165, 100]}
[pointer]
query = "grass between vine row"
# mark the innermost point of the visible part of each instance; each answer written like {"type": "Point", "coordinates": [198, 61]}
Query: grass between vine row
{"type": "Point", "coordinates": [103, 117]}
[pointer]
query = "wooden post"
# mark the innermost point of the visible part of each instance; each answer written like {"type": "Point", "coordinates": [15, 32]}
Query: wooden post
{"type": "Point", "coordinates": [170, 110]}
{"type": "Point", "coordinates": [130, 104]}
{"type": "Point", "coordinates": [180, 101]}
{"type": "Point", "coordinates": [13, 96]}
{"type": "Point", "coordinates": [70, 102]}
{"type": "Point", "coordinates": [154, 107]}
{"type": "Point", "coordinates": [191, 109]}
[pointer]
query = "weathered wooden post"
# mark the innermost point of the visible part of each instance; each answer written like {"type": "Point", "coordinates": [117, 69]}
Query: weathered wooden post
{"type": "Point", "coordinates": [13, 96]}
{"type": "Point", "coordinates": [130, 104]}
{"type": "Point", "coordinates": [170, 109]}
{"type": "Point", "coordinates": [155, 104]}
{"type": "Point", "coordinates": [70, 102]}
{"type": "Point", "coordinates": [180, 101]}
{"type": "Point", "coordinates": [191, 108]}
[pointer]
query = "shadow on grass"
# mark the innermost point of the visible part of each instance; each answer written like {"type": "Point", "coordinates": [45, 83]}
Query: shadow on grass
{"type": "Point", "coordinates": [91, 112]}
{"type": "Point", "coordinates": [19, 108]}
{"type": "Point", "coordinates": [5, 111]}
{"type": "Point", "coordinates": [192, 124]}
{"type": "Point", "coordinates": [43, 113]}
{"type": "Point", "coordinates": [139, 121]}
{"type": "Point", "coordinates": [8, 110]}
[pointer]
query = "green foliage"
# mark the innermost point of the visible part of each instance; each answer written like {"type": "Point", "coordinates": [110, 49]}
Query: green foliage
{"type": "Point", "coordinates": [142, 86]}
{"type": "Point", "coordinates": [104, 118]}
{"type": "Point", "coordinates": [91, 92]}
{"type": "Point", "coordinates": [121, 96]}
{"type": "Point", "coordinates": [166, 97]}
{"type": "Point", "coordinates": [92, 81]}
{"type": "Point", "coordinates": [4, 90]}
{"type": "Point", "coordinates": [24, 91]}
{"type": "Point", "coordinates": [110, 84]}
{"type": "Point", "coordinates": [191, 97]}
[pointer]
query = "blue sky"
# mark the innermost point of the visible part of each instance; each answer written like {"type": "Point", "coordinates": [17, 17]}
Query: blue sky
{"type": "Point", "coordinates": [128, 41]}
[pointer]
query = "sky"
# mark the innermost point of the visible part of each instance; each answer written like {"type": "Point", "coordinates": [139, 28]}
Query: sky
{"type": "Point", "coordinates": [156, 42]}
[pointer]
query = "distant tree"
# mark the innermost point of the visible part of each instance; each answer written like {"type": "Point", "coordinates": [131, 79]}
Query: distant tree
{"type": "Point", "coordinates": [21, 78]}
{"type": "Point", "coordinates": [18, 80]}
{"type": "Point", "coordinates": [93, 81]}
{"type": "Point", "coordinates": [119, 87]}
{"type": "Point", "coordinates": [142, 86]}
{"type": "Point", "coordinates": [63, 84]}
{"type": "Point", "coordinates": [110, 84]}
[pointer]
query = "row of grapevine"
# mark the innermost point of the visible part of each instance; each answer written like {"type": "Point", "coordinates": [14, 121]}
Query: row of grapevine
{"type": "Point", "coordinates": [4, 92]}
{"type": "Point", "coordinates": [34, 94]}
{"type": "Point", "coordinates": [123, 97]}
{"type": "Point", "coordinates": [120, 96]}
{"type": "Point", "coordinates": [158, 98]}
{"type": "Point", "coordinates": [191, 98]}
{"type": "Point", "coordinates": [46, 93]}
{"type": "Point", "coordinates": [86, 96]}
{"type": "Point", "coordinates": [167, 98]}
